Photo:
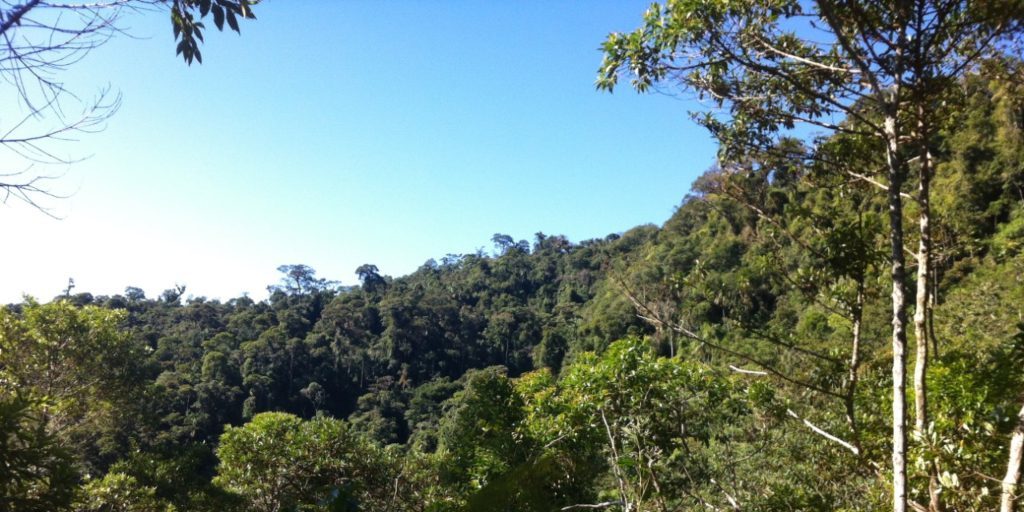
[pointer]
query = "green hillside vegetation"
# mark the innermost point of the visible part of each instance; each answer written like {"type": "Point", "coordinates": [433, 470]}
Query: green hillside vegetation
{"type": "Point", "coordinates": [706, 363]}
{"type": "Point", "coordinates": [832, 319]}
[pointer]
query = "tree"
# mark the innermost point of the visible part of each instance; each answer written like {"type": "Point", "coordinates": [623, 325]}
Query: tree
{"type": "Point", "coordinates": [118, 492]}
{"type": "Point", "coordinates": [477, 433]}
{"type": "Point", "coordinates": [654, 417]}
{"type": "Point", "coordinates": [370, 276]}
{"type": "Point", "coordinates": [805, 256]}
{"type": "Point", "coordinates": [876, 71]}
{"type": "Point", "coordinates": [502, 242]}
{"type": "Point", "coordinates": [37, 474]}
{"type": "Point", "coordinates": [629, 430]}
{"type": "Point", "coordinates": [43, 38]}
{"type": "Point", "coordinates": [278, 462]}
{"type": "Point", "coordinates": [81, 365]}
{"type": "Point", "coordinates": [173, 295]}
{"type": "Point", "coordinates": [300, 279]}
{"type": "Point", "coordinates": [489, 455]}
{"type": "Point", "coordinates": [134, 294]}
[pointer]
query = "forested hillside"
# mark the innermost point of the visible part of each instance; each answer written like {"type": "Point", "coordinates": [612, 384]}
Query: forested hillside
{"type": "Point", "coordinates": [733, 358]}
{"type": "Point", "coordinates": [832, 318]}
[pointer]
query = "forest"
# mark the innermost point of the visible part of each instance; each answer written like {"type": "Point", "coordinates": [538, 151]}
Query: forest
{"type": "Point", "coordinates": [829, 321]}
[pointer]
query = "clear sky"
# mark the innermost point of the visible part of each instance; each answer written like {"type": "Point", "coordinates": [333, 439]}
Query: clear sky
{"type": "Point", "coordinates": [335, 134]}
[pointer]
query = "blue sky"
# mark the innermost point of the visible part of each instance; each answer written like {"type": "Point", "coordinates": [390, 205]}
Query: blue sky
{"type": "Point", "coordinates": [340, 133]}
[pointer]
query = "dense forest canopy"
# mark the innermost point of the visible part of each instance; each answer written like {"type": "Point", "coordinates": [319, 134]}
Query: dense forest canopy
{"type": "Point", "coordinates": [744, 355]}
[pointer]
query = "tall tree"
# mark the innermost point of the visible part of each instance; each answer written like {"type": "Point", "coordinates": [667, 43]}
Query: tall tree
{"type": "Point", "coordinates": [300, 279]}
{"type": "Point", "coordinates": [369, 276]}
{"type": "Point", "coordinates": [869, 69]}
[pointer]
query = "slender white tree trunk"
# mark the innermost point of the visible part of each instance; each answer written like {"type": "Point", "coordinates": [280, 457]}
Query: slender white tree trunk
{"type": "Point", "coordinates": [922, 307]}
{"type": "Point", "coordinates": [899, 316]}
{"type": "Point", "coordinates": [1011, 481]}
{"type": "Point", "coordinates": [921, 304]}
{"type": "Point", "coordinates": [851, 390]}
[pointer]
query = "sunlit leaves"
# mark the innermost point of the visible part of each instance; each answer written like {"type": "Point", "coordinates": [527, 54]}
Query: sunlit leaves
{"type": "Point", "coordinates": [279, 461]}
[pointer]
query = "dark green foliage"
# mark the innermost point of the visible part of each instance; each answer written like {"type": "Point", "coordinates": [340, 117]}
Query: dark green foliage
{"type": "Point", "coordinates": [36, 473]}
{"type": "Point", "coordinates": [477, 432]}
{"type": "Point", "coordinates": [502, 382]}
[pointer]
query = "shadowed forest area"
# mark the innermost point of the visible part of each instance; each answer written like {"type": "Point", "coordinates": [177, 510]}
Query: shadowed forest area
{"type": "Point", "coordinates": [827, 322]}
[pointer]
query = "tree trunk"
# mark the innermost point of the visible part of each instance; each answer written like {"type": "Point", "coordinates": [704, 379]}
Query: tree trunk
{"type": "Point", "coordinates": [933, 300]}
{"type": "Point", "coordinates": [851, 390]}
{"type": "Point", "coordinates": [922, 307]}
{"type": "Point", "coordinates": [921, 304]}
{"type": "Point", "coordinates": [1012, 479]}
{"type": "Point", "coordinates": [899, 315]}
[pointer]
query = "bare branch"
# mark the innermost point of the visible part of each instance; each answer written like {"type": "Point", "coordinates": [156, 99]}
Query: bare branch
{"type": "Point", "coordinates": [802, 60]}
{"type": "Point", "coordinates": [605, 504]}
{"type": "Point", "coordinates": [748, 372]}
{"type": "Point", "coordinates": [818, 430]}
{"type": "Point", "coordinates": [39, 40]}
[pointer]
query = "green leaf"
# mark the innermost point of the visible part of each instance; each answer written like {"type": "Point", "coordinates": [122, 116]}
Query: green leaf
{"type": "Point", "coordinates": [218, 17]}
{"type": "Point", "coordinates": [233, 22]}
